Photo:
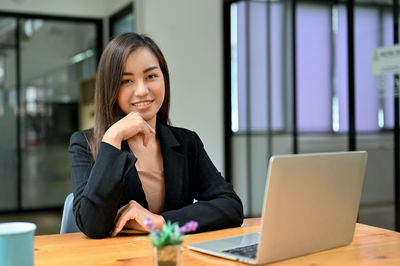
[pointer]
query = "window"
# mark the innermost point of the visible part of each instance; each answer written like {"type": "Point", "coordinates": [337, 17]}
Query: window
{"type": "Point", "coordinates": [264, 119]}
{"type": "Point", "coordinates": [260, 72]}
{"type": "Point", "coordinates": [43, 62]}
{"type": "Point", "coordinates": [122, 21]}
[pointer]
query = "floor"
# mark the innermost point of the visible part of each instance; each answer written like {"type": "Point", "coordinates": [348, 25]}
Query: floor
{"type": "Point", "coordinates": [47, 222]}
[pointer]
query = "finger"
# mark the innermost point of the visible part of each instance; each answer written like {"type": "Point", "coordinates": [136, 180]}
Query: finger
{"type": "Point", "coordinates": [133, 224]}
{"type": "Point", "coordinates": [121, 218]}
{"type": "Point", "coordinates": [119, 212]}
{"type": "Point", "coordinates": [147, 134]}
{"type": "Point", "coordinates": [152, 130]}
{"type": "Point", "coordinates": [140, 220]}
{"type": "Point", "coordinates": [124, 215]}
{"type": "Point", "coordinates": [121, 223]}
{"type": "Point", "coordinates": [146, 126]}
{"type": "Point", "coordinates": [142, 225]}
{"type": "Point", "coordinates": [146, 139]}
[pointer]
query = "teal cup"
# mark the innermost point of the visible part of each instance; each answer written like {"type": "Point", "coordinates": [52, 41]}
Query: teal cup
{"type": "Point", "coordinates": [16, 244]}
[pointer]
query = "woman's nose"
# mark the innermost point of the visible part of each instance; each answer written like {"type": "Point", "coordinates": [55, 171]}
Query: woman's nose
{"type": "Point", "coordinates": [141, 89]}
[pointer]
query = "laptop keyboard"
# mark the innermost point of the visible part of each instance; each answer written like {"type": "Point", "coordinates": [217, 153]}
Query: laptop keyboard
{"type": "Point", "coordinates": [245, 251]}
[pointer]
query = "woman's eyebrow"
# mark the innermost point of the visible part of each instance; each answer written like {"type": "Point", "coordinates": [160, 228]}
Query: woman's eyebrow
{"type": "Point", "coordinates": [150, 69]}
{"type": "Point", "coordinates": [144, 71]}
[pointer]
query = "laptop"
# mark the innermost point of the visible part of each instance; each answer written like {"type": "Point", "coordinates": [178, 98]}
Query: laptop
{"type": "Point", "coordinates": [310, 204]}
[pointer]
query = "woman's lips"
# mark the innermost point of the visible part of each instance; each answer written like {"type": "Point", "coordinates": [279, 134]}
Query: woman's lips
{"type": "Point", "coordinates": [142, 105]}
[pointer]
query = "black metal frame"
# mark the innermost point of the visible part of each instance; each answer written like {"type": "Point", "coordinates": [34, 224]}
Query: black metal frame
{"type": "Point", "coordinates": [294, 77]}
{"type": "Point", "coordinates": [396, 123]}
{"type": "Point", "coordinates": [352, 134]}
{"type": "Point", "coordinates": [227, 89]}
{"type": "Point", "coordinates": [351, 76]}
{"type": "Point", "coordinates": [99, 47]}
{"type": "Point", "coordinates": [18, 83]}
{"type": "Point", "coordinates": [248, 110]}
{"type": "Point", "coordinates": [269, 79]}
{"type": "Point", "coordinates": [117, 15]}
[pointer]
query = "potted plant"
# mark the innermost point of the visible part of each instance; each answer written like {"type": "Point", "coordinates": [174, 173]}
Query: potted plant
{"type": "Point", "coordinates": [167, 242]}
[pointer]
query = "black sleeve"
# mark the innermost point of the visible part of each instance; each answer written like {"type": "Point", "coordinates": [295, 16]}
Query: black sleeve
{"type": "Point", "coordinates": [97, 186]}
{"type": "Point", "coordinates": [217, 204]}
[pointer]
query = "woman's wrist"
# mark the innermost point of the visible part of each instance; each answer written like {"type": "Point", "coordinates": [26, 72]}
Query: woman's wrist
{"type": "Point", "coordinates": [113, 138]}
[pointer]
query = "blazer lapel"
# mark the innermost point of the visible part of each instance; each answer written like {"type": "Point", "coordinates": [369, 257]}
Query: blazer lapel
{"type": "Point", "coordinates": [173, 167]}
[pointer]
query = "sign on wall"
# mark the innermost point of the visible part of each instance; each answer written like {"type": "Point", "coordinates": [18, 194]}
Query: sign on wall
{"type": "Point", "coordinates": [385, 60]}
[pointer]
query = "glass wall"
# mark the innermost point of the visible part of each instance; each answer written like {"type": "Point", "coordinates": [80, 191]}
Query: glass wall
{"type": "Point", "coordinates": [259, 95]}
{"type": "Point", "coordinates": [375, 115]}
{"type": "Point", "coordinates": [8, 115]}
{"type": "Point", "coordinates": [57, 58]}
{"type": "Point", "coordinates": [122, 21]}
{"type": "Point", "coordinates": [262, 86]}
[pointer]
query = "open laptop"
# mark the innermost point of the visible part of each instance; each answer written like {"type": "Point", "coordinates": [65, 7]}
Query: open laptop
{"type": "Point", "coordinates": [310, 204]}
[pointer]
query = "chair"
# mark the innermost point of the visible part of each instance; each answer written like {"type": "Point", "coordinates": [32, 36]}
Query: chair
{"type": "Point", "coordinates": [68, 224]}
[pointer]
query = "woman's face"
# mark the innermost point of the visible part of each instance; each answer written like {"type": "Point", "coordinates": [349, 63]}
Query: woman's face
{"type": "Point", "coordinates": [142, 86]}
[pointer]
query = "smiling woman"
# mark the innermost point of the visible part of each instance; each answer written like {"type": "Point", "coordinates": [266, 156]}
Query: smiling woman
{"type": "Point", "coordinates": [142, 85]}
{"type": "Point", "coordinates": [134, 165]}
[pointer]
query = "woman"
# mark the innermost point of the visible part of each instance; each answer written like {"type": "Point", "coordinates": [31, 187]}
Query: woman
{"type": "Point", "coordinates": [133, 165]}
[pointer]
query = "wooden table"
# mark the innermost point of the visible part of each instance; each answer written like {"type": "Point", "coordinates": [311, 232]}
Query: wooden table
{"type": "Point", "coordinates": [370, 246]}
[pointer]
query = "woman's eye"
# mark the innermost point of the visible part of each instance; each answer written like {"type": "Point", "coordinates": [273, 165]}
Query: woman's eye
{"type": "Point", "coordinates": [151, 76]}
{"type": "Point", "coordinates": [126, 81]}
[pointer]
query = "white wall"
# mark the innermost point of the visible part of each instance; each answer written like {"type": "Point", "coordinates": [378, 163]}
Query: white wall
{"type": "Point", "coordinates": [189, 32]}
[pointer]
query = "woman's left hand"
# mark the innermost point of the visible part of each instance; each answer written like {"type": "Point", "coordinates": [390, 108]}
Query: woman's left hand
{"type": "Point", "coordinates": [133, 216]}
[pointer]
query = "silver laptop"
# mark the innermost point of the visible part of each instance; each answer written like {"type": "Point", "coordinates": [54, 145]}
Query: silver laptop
{"type": "Point", "coordinates": [310, 204]}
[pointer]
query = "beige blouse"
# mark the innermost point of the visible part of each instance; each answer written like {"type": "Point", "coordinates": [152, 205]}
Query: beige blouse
{"type": "Point", "coordinates": [150, 168]}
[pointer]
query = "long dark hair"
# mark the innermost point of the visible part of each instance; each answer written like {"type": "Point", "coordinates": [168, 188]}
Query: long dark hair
{"type": "Point", "coordinates": [108, 80]}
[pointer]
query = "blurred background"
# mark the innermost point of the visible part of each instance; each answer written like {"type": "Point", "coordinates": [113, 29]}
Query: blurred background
{"type": "Point", "coordinates": [252, 78]}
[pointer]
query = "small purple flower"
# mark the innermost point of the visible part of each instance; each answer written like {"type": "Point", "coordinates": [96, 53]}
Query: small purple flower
{"type": "Point", "coordinates": [190, 226]}
{"type": "Point", "coordinates": [149, 223]}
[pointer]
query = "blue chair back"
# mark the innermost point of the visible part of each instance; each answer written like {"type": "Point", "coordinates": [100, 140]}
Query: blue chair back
{"type": "Point", "coordinates": [68, 224]}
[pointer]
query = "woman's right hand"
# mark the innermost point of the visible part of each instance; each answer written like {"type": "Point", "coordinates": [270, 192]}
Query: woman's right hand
{"type": "Point", "coordinates": [129, 126]}
{"type": "Point", "coordinates": [133, 216]}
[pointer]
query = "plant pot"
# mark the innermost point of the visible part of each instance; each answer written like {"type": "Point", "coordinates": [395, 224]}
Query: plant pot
{"type": "Point", "coordinates": [170, 255]}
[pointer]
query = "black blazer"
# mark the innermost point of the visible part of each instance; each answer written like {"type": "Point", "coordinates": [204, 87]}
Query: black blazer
{"type": "Point", "coordinates": [101, 187]}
